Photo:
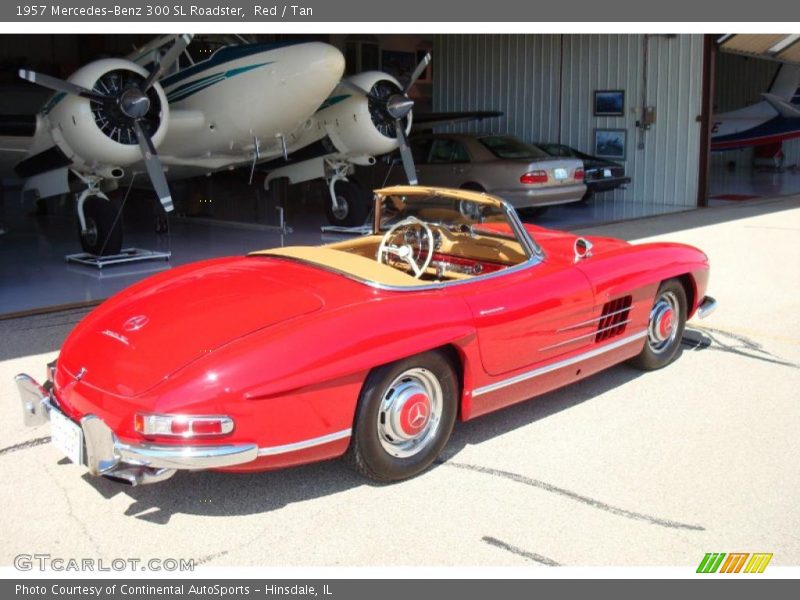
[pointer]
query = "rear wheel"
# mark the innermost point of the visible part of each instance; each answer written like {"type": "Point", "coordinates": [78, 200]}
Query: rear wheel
{"type": "Point", "coordinates": [103, 234]}
{"type": "Point", "coordinates": [665, 327]}
{"type": "Point", "coordinates": [352, 205]}
{"type": "Point", "coordinates": [404, 418]}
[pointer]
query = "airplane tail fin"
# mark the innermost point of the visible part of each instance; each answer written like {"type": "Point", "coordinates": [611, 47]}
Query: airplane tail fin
{"type": "Point", "coordinates": [786, 84]}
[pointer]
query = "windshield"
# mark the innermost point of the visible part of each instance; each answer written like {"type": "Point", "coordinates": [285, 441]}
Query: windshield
{"type": "Point", "coordinates": [476, 219]}
{"type": "Point", "coordinates": [510, 147]}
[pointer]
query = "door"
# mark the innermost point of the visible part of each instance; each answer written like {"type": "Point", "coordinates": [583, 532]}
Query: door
{"type": "Point", "coordinates": [532, 317]}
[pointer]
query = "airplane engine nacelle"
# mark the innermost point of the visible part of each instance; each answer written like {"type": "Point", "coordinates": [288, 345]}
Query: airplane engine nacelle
{"type": "Point", "coordinates": [359, 126]}
{"type": "Point", "coordinates": [99, 138]}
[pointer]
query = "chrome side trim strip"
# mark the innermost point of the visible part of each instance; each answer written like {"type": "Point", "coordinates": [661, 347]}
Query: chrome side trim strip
{"type": "Point", "coordinates": [585, 335]}
{"type": "Point", "coordinates": [558, 365]}
{"type": "Point", "coordinates": [317, 441]}
{"type": "Point", "coordinates": [594, 320]}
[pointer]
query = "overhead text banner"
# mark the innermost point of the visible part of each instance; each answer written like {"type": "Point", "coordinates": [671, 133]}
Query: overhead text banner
{"type": "Point", "coordinates": [265, 11]}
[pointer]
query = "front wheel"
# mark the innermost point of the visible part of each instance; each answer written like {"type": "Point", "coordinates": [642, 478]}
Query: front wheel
{"type": "Point", "coordinates": [664, 329]}
{"type": "Point", "coordinates": [405, 415]}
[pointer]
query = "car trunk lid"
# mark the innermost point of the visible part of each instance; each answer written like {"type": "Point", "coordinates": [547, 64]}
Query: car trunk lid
{"type": "Point", "coordinates": [139, 338]}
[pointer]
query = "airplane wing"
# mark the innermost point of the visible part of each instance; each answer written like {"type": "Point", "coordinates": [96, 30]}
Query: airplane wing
{"type": "Point", "coordinates": [430, 120]}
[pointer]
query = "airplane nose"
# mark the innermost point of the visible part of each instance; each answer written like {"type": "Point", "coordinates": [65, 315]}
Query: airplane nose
{"type": "Point", "coordinates": [332, 59]}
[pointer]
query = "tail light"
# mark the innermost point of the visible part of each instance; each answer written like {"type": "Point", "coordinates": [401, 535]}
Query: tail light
{"type": "Point", "coordinates": [534, 177]}
{"type": "Point", "coordinates": [578, 174]}
{"type": "Point", "coordinates": [184, 426]}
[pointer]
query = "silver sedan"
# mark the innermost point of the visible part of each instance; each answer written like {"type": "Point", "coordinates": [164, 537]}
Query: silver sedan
{"type": "Point", "coordinates": [520, 173]}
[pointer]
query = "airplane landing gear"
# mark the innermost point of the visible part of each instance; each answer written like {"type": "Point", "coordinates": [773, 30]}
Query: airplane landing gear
{"type": "Point", "coordinates": [99, 221]}
{"type": "Point", "coordinates": [349, 204]}
{"type": "Point", "coordinates": [162, 223]}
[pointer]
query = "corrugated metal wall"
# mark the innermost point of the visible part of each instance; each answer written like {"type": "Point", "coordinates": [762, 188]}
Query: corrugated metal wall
{"type": "Point", "coordinates": [545, 86]}
{"type": "Point", "coordinates": [740, 81]}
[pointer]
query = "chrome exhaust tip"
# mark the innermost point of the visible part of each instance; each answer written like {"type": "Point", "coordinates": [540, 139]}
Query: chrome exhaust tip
{"type": "Point", "coordinates": [134, 476]}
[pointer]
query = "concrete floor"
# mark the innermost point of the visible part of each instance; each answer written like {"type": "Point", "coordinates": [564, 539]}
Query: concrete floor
{"type": "Point", "coordinates": [746, 182]}
{"type": "Point", "coordinates": [624, 468]}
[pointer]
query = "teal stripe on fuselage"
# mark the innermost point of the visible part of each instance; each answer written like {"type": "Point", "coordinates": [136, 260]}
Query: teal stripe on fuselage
{"type": "Point", "coordinates": [51, 103]}
{"type": "Point", "coordinates": [332, 100]}
{"type": "Point", "coordinates": [222, 56]}
{"type": "Point", "coordinates": [191, 88]}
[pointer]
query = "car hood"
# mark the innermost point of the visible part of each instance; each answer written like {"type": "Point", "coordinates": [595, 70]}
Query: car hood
{"type": "Point", "coordinates": [140, 337]}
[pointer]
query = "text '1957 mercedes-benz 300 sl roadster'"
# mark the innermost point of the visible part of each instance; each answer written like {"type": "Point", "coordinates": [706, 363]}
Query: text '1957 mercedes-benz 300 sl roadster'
{"type": "Point", "coordinates": [370, 348]}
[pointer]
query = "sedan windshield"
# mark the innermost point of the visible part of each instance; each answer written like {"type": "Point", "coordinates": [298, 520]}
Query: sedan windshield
{"type": "Point", "coordinates": [511, 148]}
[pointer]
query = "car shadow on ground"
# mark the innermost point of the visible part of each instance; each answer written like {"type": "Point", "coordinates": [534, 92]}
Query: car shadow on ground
{"type": "Point", "coordinates": [209, 493]}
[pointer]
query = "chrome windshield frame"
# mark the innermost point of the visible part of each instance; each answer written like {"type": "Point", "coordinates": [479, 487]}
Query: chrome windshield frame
{"type": "Point", "coordinates": [529, 245]}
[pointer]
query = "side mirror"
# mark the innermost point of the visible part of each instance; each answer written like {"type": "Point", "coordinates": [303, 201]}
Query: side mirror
{"type": "Point", "coordinates": [582, 249]}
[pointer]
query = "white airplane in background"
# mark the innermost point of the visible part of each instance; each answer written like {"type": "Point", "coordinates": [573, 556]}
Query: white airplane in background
{"type": "Point", "coordinates": [206, 109]}
{"type": "Point", "coordinates": [240, 103]}
{"type": "Point", "coordinates": [369, 114]}
{"type": "Point", "coordinates": [773, 119]}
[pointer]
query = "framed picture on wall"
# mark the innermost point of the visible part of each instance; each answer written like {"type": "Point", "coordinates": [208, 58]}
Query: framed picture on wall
{"type": "Point", "coordinates": [611, 143]}
{"type": "Point", "coordinates": [609, 103]}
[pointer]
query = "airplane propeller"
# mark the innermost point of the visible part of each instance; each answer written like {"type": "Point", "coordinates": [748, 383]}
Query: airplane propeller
{"type": "Point", "coordinates": [396, 107]}
{"type": "Point", "coordinates": [122, 103]}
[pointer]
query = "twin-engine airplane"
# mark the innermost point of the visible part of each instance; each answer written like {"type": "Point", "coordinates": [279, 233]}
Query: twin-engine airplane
{"type": "Point", "coordinates": [773, 119]}
{"type": "Point", "coordinates": [175, 110]}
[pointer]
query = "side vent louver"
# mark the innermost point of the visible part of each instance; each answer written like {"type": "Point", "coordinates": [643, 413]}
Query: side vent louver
{"type": "Point", "coordinates": [614, 319]}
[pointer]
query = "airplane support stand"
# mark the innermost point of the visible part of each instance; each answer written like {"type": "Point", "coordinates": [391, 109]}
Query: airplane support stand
{"type": "Point", "coordinates": [125, 256]}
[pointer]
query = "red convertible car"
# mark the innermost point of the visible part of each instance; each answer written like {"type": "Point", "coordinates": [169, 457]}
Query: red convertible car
{"type": "Point", "coordinates": [370, 348]}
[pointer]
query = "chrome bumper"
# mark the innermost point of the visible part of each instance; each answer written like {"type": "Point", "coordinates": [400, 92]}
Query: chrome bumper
{"type": "Point", "coordinates": [133, 464]}
{"type": "Point", "coordinates": [706, 307]}
{"type": "Point", "coordinates": [547, 196]}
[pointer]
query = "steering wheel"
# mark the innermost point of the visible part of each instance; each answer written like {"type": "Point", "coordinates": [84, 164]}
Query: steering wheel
{"type": "Point", "coordinates": [406, 252]}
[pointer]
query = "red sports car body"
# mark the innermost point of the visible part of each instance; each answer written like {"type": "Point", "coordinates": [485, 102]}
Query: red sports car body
{"type": "Point", "coordinates": [369, 348]}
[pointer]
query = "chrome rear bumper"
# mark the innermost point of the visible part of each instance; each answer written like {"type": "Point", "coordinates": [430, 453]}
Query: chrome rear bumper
{"type": "Point", "coordinates": [707, 306]}
{"type": "Point", "coordinates": [133, 464]}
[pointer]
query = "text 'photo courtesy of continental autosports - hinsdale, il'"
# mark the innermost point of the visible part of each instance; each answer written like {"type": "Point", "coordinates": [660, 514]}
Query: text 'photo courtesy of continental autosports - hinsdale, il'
{"type": "Point", "coordinates": [370, 348]}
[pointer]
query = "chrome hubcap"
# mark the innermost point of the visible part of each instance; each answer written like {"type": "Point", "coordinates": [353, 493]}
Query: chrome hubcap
{"type": "Point", "coordinates": [663, 327]}
{"type": "Point", "coordinates": [410, 413]}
